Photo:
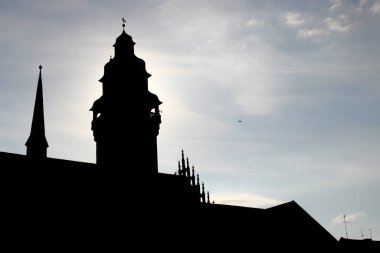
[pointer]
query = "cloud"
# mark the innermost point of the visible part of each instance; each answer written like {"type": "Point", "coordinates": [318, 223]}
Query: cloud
{"type": "Point", "coordinates": [344, 174]}
{"type": "Point", "coordinates": [340, 24]}
{"type": "Point", "coordinates": [361, 4]}
{"type": "Point", "coordinates": [194, 20]}
{"type": "Point", "coordinates": [324, 26]}
{"type": "Point", "coordinates": [255, 23]}
{"type": "Point", "coordinates": [245, 199]}
{"type": "Point", "coordinates": [310, 33]}
{"type": "Point", "coordinates": [257, 100]}
{"type": "Point", "coordinates": [375, 8]}
{"type": "Point", "coordinates": [335, 4]}
{"type": "Point", "coordinates": [295, 19]}
{"type": "Point", "coordinates": [351, 217]}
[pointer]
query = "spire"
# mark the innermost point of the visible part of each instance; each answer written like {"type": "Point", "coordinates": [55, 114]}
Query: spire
{"type": "Point", "coordinates": [183, 163]}
{"type": "Point", "coordinates": [198, 186]}
{"type": "Point", "coordinates": [203, 194]}
{"type": "Point", "coordinates": [187, 168]}
{"type": "Point", "coordinates": [36, 145]}
{"type": "Point", "coordinates": [193, 177]}
{"type": "Point", "coordinates": [179, 169]}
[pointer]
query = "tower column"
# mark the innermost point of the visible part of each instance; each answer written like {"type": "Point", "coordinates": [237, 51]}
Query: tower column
{"type": "Point", "coordinates": [126, 118]}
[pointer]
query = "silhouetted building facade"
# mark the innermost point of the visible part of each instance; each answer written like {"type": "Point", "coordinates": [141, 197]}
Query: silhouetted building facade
{"type": "Point", "coordinates": [122, 201]}
{"type": "Point", "coordinates": [364, 245]}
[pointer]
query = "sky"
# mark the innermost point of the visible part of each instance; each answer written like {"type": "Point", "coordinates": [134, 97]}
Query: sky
{"type": "Point", "coordinates": [272, 101]}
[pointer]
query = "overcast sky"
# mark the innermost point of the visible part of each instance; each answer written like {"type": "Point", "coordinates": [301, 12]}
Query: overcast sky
{"type": "Point", "coordinates": [302, 76]}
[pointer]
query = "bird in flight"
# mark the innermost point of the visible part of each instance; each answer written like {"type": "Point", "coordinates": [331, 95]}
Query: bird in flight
{"type": "Point", "coordinates": [239, 121]}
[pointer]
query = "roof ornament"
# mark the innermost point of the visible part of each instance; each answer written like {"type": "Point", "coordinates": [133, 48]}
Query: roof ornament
{"type": "Point", "coordinates": [123, 19]}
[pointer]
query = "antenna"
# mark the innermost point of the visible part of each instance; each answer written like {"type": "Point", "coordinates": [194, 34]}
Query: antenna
{"type": "Point", "coordinates": [345, 224]}
{"type": "Point", "coordinates": [370, 233]}
{"type": "Point", "coordinates": [362, 233]}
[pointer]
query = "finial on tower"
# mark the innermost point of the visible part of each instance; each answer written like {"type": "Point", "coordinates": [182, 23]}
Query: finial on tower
{"type": "Point", "coordinates": [40, 67]}
{"type": "Point", "coordinates": [122, 19]}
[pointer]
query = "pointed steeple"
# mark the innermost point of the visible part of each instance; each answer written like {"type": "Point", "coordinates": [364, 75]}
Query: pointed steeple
{"type": "Point", "coordinates": [198, 186]}
{"type": "Point", "coordinates": [193, 177]}
{"type": "Point", "coordinates": [183, 163]}
{"type": "Point", "coordinates": [36, 145]}
{"type": "Point", "coordinates": [187, 168]}
{"type": "Point", "coordinates": [203, 194]}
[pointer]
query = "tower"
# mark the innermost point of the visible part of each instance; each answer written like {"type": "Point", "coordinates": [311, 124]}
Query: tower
{"type": "Point", "coordinates": [126, 118]}
{"type": "Point", "coordinates": [36, 145]}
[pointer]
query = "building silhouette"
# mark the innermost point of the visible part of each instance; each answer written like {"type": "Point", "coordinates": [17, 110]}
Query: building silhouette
{"type": "Point", "coordinates": [123, 202]}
